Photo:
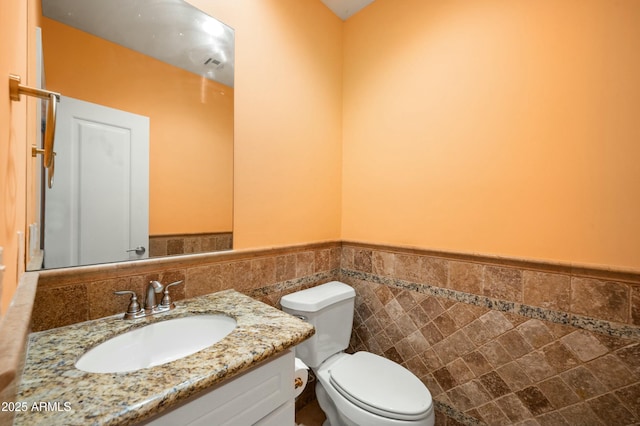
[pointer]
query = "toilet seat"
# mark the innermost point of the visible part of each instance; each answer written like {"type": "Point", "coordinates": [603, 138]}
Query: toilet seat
{"type": "Point", "coordinates": [381, 386]}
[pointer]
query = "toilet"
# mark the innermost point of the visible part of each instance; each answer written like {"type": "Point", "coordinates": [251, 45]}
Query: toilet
{"type": "Point", "coordinates": [361, 389]}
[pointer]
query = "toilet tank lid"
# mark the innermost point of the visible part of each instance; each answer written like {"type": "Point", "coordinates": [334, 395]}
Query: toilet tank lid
{"type": "Point", "coordinates": [315, 298]}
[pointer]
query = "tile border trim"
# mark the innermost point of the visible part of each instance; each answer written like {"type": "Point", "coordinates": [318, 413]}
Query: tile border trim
{"type": "Point", "coordinates": [294, 283]}
{"type": "Point", "coordinates": [564, 318]}
{"type": "Point", "coordinates": [602, 272]}
{"type": "Point", "coordinates": [455, 414]}
{"type": "Point", "coordinates": [68, 276]}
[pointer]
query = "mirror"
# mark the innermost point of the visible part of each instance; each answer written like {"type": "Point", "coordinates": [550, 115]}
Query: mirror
{"type": "Point", "coordinates": [168, 67]}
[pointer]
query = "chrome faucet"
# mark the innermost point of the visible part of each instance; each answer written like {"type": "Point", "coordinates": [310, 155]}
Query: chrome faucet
{"type": "Point", "coordinates": [150, 307]}
{"type": "Point", "coordinates": [153, 288]}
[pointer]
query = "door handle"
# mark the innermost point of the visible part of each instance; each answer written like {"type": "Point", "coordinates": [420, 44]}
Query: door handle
{"type": "Point", "coordinates": [140, 250]}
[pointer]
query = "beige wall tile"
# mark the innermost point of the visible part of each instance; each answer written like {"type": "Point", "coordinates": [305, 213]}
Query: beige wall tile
{"type": "Point", "coordinates": [630, 397]}
{"type": "Point", "coordinates": [477, 363]}
{"type": "Point", "coordinates": [503, 283]}
{"type": "Point", "coordinates": [547, 290]}
{"type": "Point", "coordinates": [583, 383]}
{"type": "Point", "coordinates": [603, 299]}
{"type": "Point", "coordinates": [362, 260]}
{"type": "Point", "coordinates": [529, 358]}
{"type": "Point", "coordinates": [580, 414]}
{"type": "Point", "coordinates": [382, 263]}
{"type": "Point", "coordinates": [536, 366]}
{"type": "Point", "coordinates": [529, 368]}
{"type": "Point", "coordinates": [493, 415]}
{"type": "Point", "coordinates": [157, 247]}
{"type": "Point", "coordinates": [466, 277]}
{"type": "Point", "coordinates": [535, 333]}
{"type": "Point", "coordinates": [285, 267]}
{"type": "Point", "coordinates": [207, 279]}
{"type": "Point", "coordinates": [462, 314]}
{"type": "Point", "coordinates": [263, 271]}
{"type": "Point", "coordinates": [610, 410]}
{"type": "Point", "coordinates": [635, 305]}
{"type": "Point", "coordinates": [495, 354]}
{"type": "Point", "coordinates": [408, 267]}
{"type": "Point", "coordinates": [611, 371]}
{"type": "Point", "coordinates": [496, 323]}
{"type": "Point", "coordinates": [476, 392]}
{"type": "Point", "coordinates": [558, 392]}
{"type": "Point", "coordinates": [175, 246]}
{"type": "Point", "coordinates": [584, 345]}
{"type": "Point", "coordinates": [559, 357]}
{"type": "Point", "coordinates": [323, 260]}
{"type": "Point", "coordinates": [460, 371]}
{"type": "Point", "coordinates": [242, 275]}
{"type": "Point", "coordinates": [534, 400]}
{"type": "Point", "coordinates": [517, 345]}
{"type": "Point", "coordinates": [102, 301]}
{"type": "Point", "coordinates": [630, 355]}
{"type": "Point", "coordinates": [347, 257]}
{"type": "Point", "coordinates": [305, 264]}
{"type": "Point", "coordinates": [478, 333]}
{"type": "Point", "coordinates": [435, 271]}
{"type": "Point", "coordinates": [52, 307]}
{"type": "Point", "coordinates": [514, 409]}
{"type": "Point", "coordinates": [514, 376]}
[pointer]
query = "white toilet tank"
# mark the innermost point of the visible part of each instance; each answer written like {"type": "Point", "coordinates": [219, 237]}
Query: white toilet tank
{"type": "Point", "coordinates": [329, 308]}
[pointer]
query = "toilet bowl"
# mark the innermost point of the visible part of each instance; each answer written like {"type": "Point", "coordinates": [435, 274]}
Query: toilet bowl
{"type": "Point", "coordinates": [361, 389]}
{"type": "Point", "coordinates": [366, 389]}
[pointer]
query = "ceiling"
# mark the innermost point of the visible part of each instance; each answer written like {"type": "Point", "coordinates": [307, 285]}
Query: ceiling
{"type": "Point", "coordinates": [346, 8]}
{"type": "Point", "coordinates": [171, 31]}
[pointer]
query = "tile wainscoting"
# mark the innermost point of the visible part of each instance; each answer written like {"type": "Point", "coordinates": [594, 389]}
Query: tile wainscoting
{"type": "Point", "coordinates": [68, 296]}
{"type": "Point", "coordinates": [502, 341]}
{"type": "Point", "coordinates": [169, 245]}
{"type": "Point", "coordinates": [496, 340]}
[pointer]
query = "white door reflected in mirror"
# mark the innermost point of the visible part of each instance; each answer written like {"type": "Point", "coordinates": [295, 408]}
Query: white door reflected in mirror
{"type": "Point", "coordinates": [98, 210]}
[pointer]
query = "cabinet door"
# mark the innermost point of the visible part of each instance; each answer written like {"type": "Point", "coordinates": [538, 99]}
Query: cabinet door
{"type": "Point", "coordinates": [242, 400]}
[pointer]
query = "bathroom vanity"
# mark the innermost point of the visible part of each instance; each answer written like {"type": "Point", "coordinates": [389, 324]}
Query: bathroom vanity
{"type": "Point", "coordinates": [246, 377]}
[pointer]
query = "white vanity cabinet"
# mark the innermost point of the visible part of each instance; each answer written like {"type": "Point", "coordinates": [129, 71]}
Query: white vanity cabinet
{"type": "Point", "coordinates": [261, 396]}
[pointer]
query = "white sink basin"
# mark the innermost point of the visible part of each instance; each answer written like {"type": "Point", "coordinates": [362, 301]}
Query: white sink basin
{"type": "Point", "coordinates": [156, 344]}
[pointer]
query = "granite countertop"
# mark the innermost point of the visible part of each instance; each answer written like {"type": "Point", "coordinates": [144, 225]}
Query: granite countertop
{"type": "Point", "coordinates": [74, 397]}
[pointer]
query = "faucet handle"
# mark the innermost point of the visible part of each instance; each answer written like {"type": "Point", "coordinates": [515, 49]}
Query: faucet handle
{"type": "Point", "coordinates": [134, 306]}
{"type": "Point", "coordinates": [166, 298]}
{"type": "Point", "coordinates": [174, 283]}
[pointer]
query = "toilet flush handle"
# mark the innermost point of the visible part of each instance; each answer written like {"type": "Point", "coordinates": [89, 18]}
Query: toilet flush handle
{"type": "Point", "coordinates": [302, 317]}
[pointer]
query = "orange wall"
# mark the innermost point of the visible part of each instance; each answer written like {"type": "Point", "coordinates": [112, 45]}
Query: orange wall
{"type": "Point", "coordinates": [16, 30]}
{"type": "Point", "coordinates": [191, 124]}
{"type": "Point", "coordinates": [495, 127]}
{"type": "Point", "coordinates": [288, 120]}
